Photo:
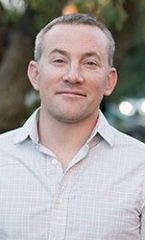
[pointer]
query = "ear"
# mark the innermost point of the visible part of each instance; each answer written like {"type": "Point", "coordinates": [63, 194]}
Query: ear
{"type": "Point", "coordinates": [111, 81]}
{"type": "Point", "coordinates": [33, 73]}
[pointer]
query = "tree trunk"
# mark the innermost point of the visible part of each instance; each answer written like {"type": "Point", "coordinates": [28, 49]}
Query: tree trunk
{"type": "Point", "coordinates": [14, 83]}
{"type": "Point", "coordinates": [14, 58]}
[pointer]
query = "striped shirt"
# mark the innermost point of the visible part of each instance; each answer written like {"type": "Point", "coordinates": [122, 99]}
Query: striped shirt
{"type": "Point", "coordinates": [99, 196]}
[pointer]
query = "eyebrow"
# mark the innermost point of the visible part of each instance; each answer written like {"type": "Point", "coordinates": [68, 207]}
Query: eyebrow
{"type": "Point", "coordinates": [92, 54]}
{"type": "Point", "coordinates": [56, 50]}
{"type": "Point", "coordinates": [85, 55]}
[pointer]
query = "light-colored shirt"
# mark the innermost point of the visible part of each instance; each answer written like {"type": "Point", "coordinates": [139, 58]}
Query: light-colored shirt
{"type": "Point", "coordinates": [99, 196]}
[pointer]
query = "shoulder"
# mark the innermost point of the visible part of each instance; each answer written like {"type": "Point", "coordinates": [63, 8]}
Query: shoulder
{"type": "Point", "coordinates": [7, 146]}
{"type": "Point", "coordinates": [116, 138]}
{"type": "Point", "coordinates": [7, 140]}
{"type": "Point", "coordinates": [8, 136]}
{"type": "Point", "coordinates": [127, 143]}
{"type": "Point", "coordinates": [125, 138]}
{"type": "Point", "coordinates": [19, 134]}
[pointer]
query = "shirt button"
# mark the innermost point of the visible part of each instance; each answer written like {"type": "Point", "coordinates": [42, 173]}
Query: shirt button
{"type": "Point", "coordinates": [54, 161]}
{"type": "Point", "coordinates": [59, 204]}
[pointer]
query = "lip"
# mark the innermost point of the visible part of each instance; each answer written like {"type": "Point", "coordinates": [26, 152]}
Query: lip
{"type": "Point", "coordinates": [72, 93]}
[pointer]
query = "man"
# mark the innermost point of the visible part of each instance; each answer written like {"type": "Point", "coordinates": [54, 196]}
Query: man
{"type": "Point", "coordinates": [67, 174]}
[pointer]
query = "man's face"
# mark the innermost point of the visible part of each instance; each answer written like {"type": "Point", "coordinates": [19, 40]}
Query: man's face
{"type": "Point", "coordinates": [73, 74]}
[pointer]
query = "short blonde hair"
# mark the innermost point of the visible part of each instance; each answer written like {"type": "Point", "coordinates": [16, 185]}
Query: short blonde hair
{"type": "Point", "coordinates": [76, 18]}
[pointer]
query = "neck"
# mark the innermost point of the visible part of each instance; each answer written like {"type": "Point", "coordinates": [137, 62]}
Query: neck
{"type": "Point", "coordinates": [64, 139]}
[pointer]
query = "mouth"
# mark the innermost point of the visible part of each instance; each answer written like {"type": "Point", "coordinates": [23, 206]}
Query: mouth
{"type": "Point", "coordinates": [71, 93]}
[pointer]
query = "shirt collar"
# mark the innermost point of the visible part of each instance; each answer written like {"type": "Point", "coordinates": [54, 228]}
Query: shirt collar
{"type": "Point", "coordinates": [30, 130]}
{"type": "Point", "coordinates": [105, 129]}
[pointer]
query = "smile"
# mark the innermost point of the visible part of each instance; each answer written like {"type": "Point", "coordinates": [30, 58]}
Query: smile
{"type": "Point", "coordinates": [72, 93]}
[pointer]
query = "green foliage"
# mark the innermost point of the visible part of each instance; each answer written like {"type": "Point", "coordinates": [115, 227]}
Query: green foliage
{"type": "Point", "coordinates": [10, 17]}
{"type": "Point", "coordinates": [132, 73]}
{"type": "Point", "coordinates": [114, 14]}
{"type": "Point", "coordinates": [43, 11]}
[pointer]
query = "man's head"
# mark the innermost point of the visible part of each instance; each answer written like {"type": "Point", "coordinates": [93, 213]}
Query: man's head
{"type": "Point", "coordinates": [73, 68]}
{"type": "Point", "coordinates": [74, 19]}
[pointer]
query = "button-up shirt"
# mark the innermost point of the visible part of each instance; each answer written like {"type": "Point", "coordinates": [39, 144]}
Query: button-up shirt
{"type": "Point", "coordinates": [99, 196]}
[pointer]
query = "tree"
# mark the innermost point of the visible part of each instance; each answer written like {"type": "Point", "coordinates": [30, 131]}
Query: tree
{"type": "Point", "coordinates": [17, 32]}
{"type": "Point", "coordinates": [125, 18]}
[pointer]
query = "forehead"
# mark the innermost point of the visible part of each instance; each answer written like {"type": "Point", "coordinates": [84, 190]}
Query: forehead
{"type": "Point", "coordinates": [77, 37]}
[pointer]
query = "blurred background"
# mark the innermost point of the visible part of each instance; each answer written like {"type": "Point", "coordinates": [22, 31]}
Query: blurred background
{"type": "Point", "coordinates": [20, 20]}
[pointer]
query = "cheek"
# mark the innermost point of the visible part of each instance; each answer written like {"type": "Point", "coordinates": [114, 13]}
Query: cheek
{"type": "Point", "coordinates": [97, 84]}
{"type": "Point", "coordinates": [97, 90]}
{"type": "Point", "coordinates": [45, 79]}
{"type": "Point", "coordinates": [51, 74]}
{"type": "Point", "coordinates": [47, 84]}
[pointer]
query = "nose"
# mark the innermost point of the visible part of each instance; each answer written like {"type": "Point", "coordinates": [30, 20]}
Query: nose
{"type": "Point", "coordinates": [73, 74]}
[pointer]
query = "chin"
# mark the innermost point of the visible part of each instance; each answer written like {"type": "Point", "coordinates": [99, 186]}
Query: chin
{"type": "Point", "coordinates": [71, 119]}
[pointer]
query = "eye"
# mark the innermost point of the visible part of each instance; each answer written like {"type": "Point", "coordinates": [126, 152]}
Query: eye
{"type": "Point", "coordinates": [91, 64]}
{"type": "Point", "coordinates": [58, 60]}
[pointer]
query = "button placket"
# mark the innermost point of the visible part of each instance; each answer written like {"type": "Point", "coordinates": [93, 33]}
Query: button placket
{"type": "Point", "coordinates": [59, 211]}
